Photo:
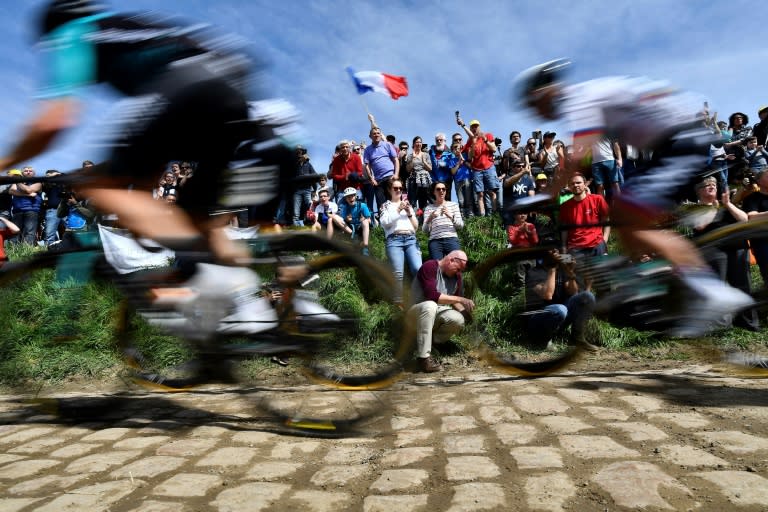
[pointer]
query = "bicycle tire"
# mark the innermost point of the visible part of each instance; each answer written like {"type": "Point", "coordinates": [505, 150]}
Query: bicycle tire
{"type": "Point", "coordinates": [312, 344]}
{"type": "Point", "coordinates": [344, 393]}
{"type": "Point", "coordinates": [509, 349]}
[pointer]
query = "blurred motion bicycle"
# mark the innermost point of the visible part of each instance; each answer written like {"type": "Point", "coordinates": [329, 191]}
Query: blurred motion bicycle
{"type": "Point", "coordinates": [315, 326]}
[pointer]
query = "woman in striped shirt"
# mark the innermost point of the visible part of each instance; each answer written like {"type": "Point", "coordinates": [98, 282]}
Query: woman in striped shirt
{"type": "Point", "coordinates": [441, 220]}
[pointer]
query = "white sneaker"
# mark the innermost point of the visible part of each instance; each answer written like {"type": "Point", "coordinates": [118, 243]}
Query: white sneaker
{"type": "Point", "coordinates": [713, 300]}
{"type": "Point", "coordinates": [226, 300]}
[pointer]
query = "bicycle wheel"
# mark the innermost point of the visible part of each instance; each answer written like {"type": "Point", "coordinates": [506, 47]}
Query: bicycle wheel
{"type": "Point", "coordinates": [335, 325]}
{"type": "Point", "coordinates": [742, 356]}
{"type": "Point", "coordinates": [496, 286]}
{"type": "Point", "coordinates": [351, 338]}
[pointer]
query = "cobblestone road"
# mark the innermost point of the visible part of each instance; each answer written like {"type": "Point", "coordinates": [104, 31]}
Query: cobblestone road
{"type": "Point", "coordinates": [686, 439]}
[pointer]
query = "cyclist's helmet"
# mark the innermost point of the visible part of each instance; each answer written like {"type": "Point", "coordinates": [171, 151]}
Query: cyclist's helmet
{"type": "Point", "coordinates": [536, 77]}
{"type": "Point", "coordinates": [59, 12]}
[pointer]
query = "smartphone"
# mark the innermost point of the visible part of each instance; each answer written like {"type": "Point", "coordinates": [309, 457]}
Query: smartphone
{"type": "Point", "coordinates": [457, 114]}
{"type": "Point", "coordinates": [403, 197]}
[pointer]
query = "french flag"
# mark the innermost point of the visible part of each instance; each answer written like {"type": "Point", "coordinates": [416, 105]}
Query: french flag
{"type": "Point", "coordinates": [376, 81]}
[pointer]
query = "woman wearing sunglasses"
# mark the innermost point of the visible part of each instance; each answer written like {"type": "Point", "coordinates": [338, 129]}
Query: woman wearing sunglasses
{"type": "Point", "coordinates": [399, 222]}
{"type": "Point", "coordinates": [441, 220]}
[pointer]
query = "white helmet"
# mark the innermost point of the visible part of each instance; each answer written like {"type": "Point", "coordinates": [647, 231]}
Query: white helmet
{"type": "Point", "coordinates": [350, 191]}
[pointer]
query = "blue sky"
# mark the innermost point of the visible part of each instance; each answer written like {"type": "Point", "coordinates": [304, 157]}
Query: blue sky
{"type": "Point", "coordinates": [456, 56]}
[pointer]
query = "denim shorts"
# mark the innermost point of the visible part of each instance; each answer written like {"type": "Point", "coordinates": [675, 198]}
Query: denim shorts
{"type": "Point", "coordinates": [605, 172]}
{"type": "Point", "coordinates": [485, 180]}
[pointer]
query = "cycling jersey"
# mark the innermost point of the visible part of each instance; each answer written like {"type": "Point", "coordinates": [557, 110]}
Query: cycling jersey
{"type": "Point", "coordinates": [186, 91]}
{"type": "Point", "coordinates": [637, 111]}
{"type": "Point", "coordinates": [129, 52]}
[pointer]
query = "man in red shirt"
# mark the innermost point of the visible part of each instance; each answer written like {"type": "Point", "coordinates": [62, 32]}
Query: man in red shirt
{"type": "Point", "coordinates": [480, 147]}
{"type": "Point", "coordinates": [345, 164]}
{"type": "Point", "coordinates": [583, 215]}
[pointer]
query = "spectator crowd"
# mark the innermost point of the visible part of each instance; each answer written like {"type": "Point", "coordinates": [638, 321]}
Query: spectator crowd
{"type": "Point", "coordinates": [437, 185]}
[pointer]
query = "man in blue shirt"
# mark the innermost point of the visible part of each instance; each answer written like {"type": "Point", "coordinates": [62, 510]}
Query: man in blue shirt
{"type": "Point", "coordinates": [381, 165]}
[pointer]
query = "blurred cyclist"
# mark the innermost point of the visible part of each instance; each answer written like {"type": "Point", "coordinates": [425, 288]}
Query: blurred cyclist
{"type": "Point", "coordinates": [648, 115]}
{"type": "Point", "coordinates": [186, 90]}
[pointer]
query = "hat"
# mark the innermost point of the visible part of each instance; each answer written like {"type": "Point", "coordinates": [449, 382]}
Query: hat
{"type": "Point", "coordinates": [541, 176]}
{"type": "Point", "coordinates": [762, 109]}
{"type": "Point", "coordinates": [474, 122]}
{"type": "Point", "coordinates": [549, 134]}
{"type": "Point", "coordinates": [349, 191]}
{"type": "Point", "coordinates": [14, 172]}
{"type": "Point", "coordinates": [742, 114]}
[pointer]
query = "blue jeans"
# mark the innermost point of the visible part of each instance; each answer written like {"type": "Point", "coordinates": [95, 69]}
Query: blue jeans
{"type": "Point", "coordinates": [576, 311]}
{"type": "Point", "coordinates": [52, 222]}
{"type": "Point", "coordinates": [465, 196]}
{"type": "Point", "coordinates": [27, 221]}
{"type": "Point", "coordinates": [402, 249]}
{"type": "Point", "coordinates": [302, 200]}
{"type": "Point", "coordinates": [439, 247]}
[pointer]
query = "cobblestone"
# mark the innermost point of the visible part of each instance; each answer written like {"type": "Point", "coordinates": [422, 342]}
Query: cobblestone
{"type": "Point", "coordinates": [480, 442]}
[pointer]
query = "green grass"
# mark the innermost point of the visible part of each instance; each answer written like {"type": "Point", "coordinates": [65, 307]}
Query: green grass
{"type": "Point", "coordinates": [53, 331]}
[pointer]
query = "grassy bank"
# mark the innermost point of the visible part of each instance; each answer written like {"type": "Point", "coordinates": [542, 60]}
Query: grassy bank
{"type": "Point", "coordinates": [53, 331]}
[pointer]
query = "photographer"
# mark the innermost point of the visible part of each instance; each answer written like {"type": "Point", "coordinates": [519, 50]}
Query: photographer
{"type": "Point", "coordinates": [78, 217]}
{"type": "Point", "coordinates": [555, 299]}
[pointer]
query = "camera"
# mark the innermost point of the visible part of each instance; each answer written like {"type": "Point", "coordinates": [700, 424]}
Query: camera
{"type": "Point", "coordinates": [498, 142]}
{"type": "Point", "coordinates": [536, 134]}
{"type": "Point", "coordinates": [458, 115]}
{"type": "Point", "coordinates": [566, 259]}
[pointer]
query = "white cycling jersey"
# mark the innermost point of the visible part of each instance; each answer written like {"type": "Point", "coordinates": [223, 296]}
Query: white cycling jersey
{"type": "Point", "coordinates": [637, 111]}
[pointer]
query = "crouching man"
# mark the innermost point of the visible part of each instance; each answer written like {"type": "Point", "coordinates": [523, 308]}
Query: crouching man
{"type": "Point", "coordinates": [439, 310]}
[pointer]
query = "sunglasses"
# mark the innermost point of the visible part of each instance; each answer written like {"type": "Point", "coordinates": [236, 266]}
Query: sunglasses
{"type": "Point", "coordinates": [440, 189]}
{"type": "Point", "coordinates": [397, 188]}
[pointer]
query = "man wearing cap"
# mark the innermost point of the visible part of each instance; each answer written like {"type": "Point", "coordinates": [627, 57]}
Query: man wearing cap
{"type": "Point", "coordinates": [354, 218]}
{"type": "Point", "coordinates": [480, 147]}
{"type": "Point", "coordinates": [517, 184]}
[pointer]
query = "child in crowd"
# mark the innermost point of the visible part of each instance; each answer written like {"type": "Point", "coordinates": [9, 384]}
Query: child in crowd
{"type": "Point", "coordinates": [522, 233]}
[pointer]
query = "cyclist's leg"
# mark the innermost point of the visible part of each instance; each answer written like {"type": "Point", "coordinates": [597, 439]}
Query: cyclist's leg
{"type": "Point", "coordinates": [635, 213]}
